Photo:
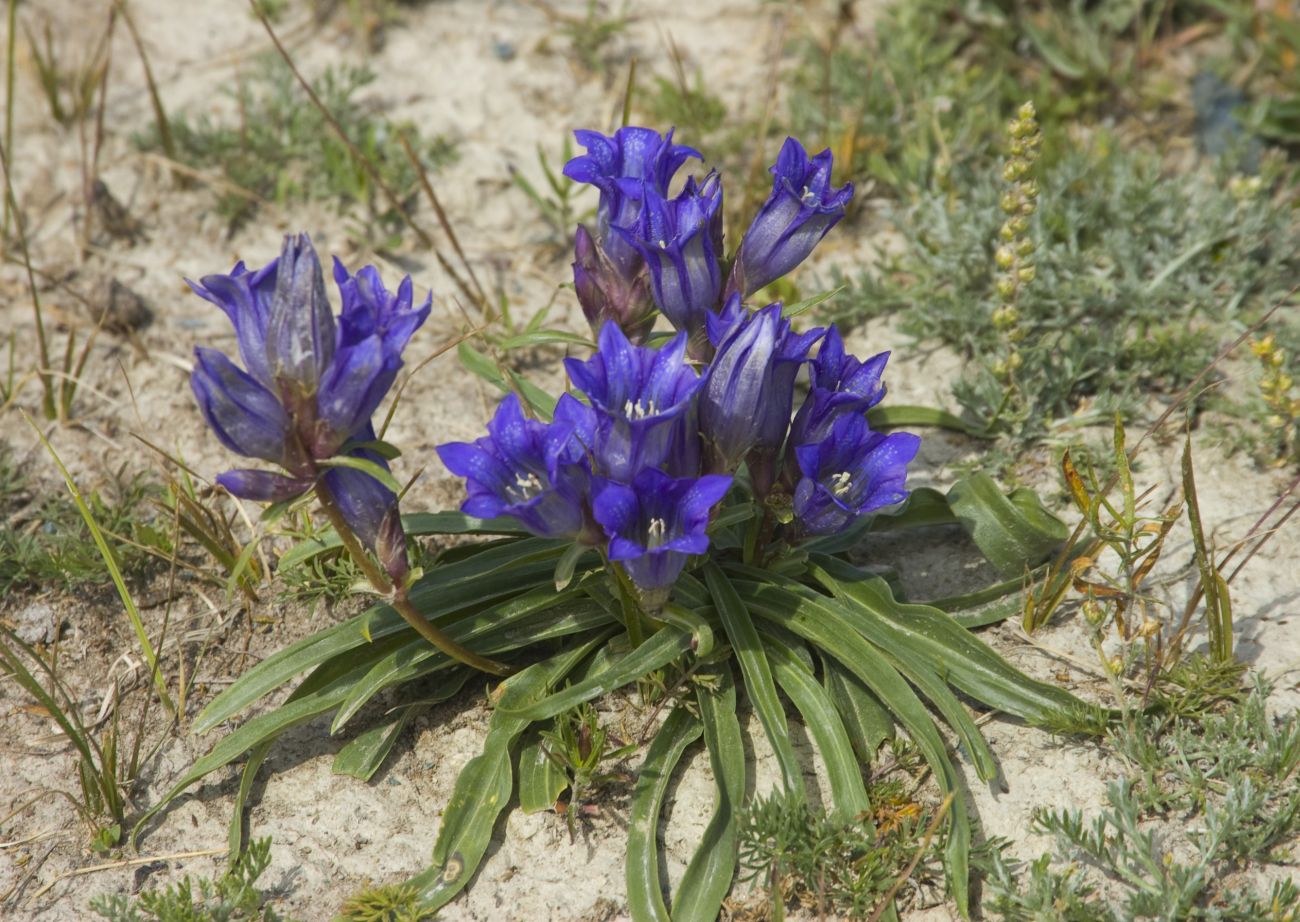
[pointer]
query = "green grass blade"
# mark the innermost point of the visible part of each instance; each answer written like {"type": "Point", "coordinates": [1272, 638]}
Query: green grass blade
{"type": "Point", "coordinates": [256, 757]}
{"type": "Point", "coordinates": [708, 874]}
{"type": "Point", "coordinates": [894, 416]}
{"type": "Point", "coordinates": [644, 898]}
{"type": "Point", "coordinates": [415, 524]}
{"type": "Point", "coordinates": [115, 573]}
{"type": "Point", "coordinates": [757, 674]}
{"type": "Point", "coordinates": [848, 793]}
{"type": "Point", "coordinates": [656, 652]}
{"type": "Point", "coordinates": [362, 756]}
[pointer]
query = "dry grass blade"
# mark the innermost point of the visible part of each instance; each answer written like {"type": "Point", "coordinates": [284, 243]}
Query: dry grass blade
{"type": "Point", "coordinates": [125, 863]}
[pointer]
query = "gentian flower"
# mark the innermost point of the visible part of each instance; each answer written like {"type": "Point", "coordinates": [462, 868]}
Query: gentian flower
{"type": "Point", "coordinates": [681, 241]}
{"type": "Point", "coordinates": [531, 471]}
{"type": "Point", "coordinates": [311, 385]}
{"type": "Point", "coordinates": [638, 395]}
{"type": "Point", "coordinates": [850, 472]}
{"type": "Point", "coordinates": [841, 383]}
{"type": "Point", "coordinates": [749, 389]}
{"type": "Point", "coordinates": [619, 166]}
{"type": "Point", "coordinates": [802, 208]}
{"type": "Point", "coordinates": [655, 524]}
{"type": "Point", "coordinates": [606, 294]}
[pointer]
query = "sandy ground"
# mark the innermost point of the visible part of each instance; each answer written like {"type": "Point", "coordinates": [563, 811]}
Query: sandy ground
{"type": "Point", "coordinates": [494, 77]}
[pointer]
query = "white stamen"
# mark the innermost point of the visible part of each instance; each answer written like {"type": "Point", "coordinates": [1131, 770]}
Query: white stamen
{"type": "Point", "coordinates": [663, 244]}
{"type": "Point", "coordinates": [525, 487]}
{"type": "Point", "coordinates": [655, 533]}
{"type": "Point", "coordinates": [640, 410]}
{"type": "Point", "coordinates": [841, 483]}
{"type": "Point", "coordinates": [808, 196]}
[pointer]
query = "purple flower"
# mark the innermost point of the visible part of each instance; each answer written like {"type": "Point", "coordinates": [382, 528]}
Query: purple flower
{"type": "Point", "coordinates": [850, 472]}
{"type": "Point", "coordinates": [749, 389]}
{"type": "Point", "coordinates": [638, 396]}
{"type": "Point", "coordinates": [605, 294]}
{"type": "Point", "coordinates": [841, 383]}
{"type": "Point", "coordinates": [531, 471]}
{"type": "Point", "coordinates": [311, 384]}
{"type": "Point", "coordinates": [618, 166]}
{"type": "Point", "coordinates": [681, 241]}
{"type": "Point", "coordinates": [802, 208]}
{"type": "Point", "coordinates": [655, 524]}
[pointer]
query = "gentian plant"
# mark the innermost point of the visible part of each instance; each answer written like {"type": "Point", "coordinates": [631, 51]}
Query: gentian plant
{"type": "Point", "coordinates": [691, 512]}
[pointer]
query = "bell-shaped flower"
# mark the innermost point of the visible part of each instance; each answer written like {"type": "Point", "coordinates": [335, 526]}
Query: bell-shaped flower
{"type": "Point", "coordinates": [370, 508]}
{"type": "Point", "coordinates": [802, 208]}
{"type": "Point", "coordinates": [531, 471]}
{"type": "Point", "coordinates": [749, 389]}
{"type": "Point", "coordinates": [655, 524]}
{"type": "Point", "coordinates": [841, 383]}
{"type": "Point", "coordinates": [606, 295]}
{"type": "Point", "coordinates": [311, 384]}
{"type": "Point", "coordinates": [681, 242]}
{"type": "Point", "coordinates": [618, 165]}
{"type": "Point", "coordinates": [850, 472]}
{"type": "Point", "coordinates": [637, 396]}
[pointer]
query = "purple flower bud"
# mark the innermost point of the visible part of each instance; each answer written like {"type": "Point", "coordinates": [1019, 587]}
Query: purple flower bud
{"type": "Point", "coordinates": [246, 417]}
{"type": "Point", "coordinates": [802, 208]}
{"type": "Point", "coordinates": [531, 471]}
{"type": "Point", "coordinates": [300, 331]}
{"type": "Point", "coordinates": [850, 472]}
{"type": "Point", "coordinates": [749, 390]}
{"type": "Point", "coordinates": [618, 166]}
{"type": "Point", "coordinates": [655, 524]}
{"type": "Point", "coordinates": [638, 395]}
{"type": "Point", "coordinates": [606, 295]}
{"type": "Point", "coordinates": [681, 241]}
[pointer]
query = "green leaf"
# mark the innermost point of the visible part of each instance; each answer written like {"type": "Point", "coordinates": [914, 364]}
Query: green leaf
{"type": "Point", "coordinates": [1014, 532]}
{"type": "Point", "coordinates": [540, 780]}
{"type": "Point", "coordinates": [480, 365]}
{"type": "Point", "coordinates": [541, 403]}
{"type": "Point", "coordinates": [757, 673]}
{"type": "Point", "coordinates": [865, 718]}
{"type": "Point", "coordinates": [442, 596]}
{"type": "Point", "coordinates": [713, 864]}
{"type": "Point", "coordinates": [366, 466]}
{"type": "Point", "coordinates": [645, 899]}
{"type": "Point", "coordinates": [484, 785]}
{"type": "Point", "coordinates": [655, 653]}
{"type": "Point", "coordinates": [416, 524]}
{"type": "Point", "coordinates": [819, 621]}
{"type": "Point", "coordinates": [964, 660]}
{"type": "Point", "coordinates": [848, 793]}
{"type": "Point", "coordinates": [565, 566]}
{"type": "Point", "coordinates": [362, 756]}
{"type": "Point", "coordinates": [895, 416]}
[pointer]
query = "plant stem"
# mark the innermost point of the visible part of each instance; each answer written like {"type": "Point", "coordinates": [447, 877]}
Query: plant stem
{"type": "Point", "coordinates": [396, 595]}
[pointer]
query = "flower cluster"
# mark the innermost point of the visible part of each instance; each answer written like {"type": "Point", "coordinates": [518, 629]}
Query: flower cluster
{"type": "Point", "coordinates": [310, 384]}
{"type": "Point", "coordinates": [637, 466]}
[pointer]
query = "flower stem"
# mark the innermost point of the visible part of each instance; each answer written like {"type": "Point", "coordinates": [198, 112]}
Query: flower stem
{"type": "Point", "coordinates": [396, 595]}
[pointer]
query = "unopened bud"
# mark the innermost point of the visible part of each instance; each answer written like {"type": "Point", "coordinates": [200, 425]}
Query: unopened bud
{"type": "Point", "coordinates": [1093, 612]}
{"type": "Point", "coordinates": [1006, 288]}
{"type": "Point", "coordinates": [1027, 274]}
{"type": "Point", "coordinates": [1005, 257]}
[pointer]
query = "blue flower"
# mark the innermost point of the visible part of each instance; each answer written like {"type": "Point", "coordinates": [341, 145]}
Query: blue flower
{"type": "Point", "coordinates": [531, 471]}
{"type": "Point", "coordinates": [749, 389]}
{"type": "Point", "coordinates": [606, 295]}
{"type": "Point", "coordinates": [681, 241]}
{"type": "Point", "coordinates": [655, 524]}
{"type": "Point", "coordinates": [850, 472]}
{"type": "Point", "coordinates": [638, 396]}
{"type": "Point", "coordinates": [311, 384]}
{"type": "Point", "coordinates": [619, 166]}
{"type": "Point", "coordinates": [802, 208]}
{"type": "Point", "coordinates": [841, 383]}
